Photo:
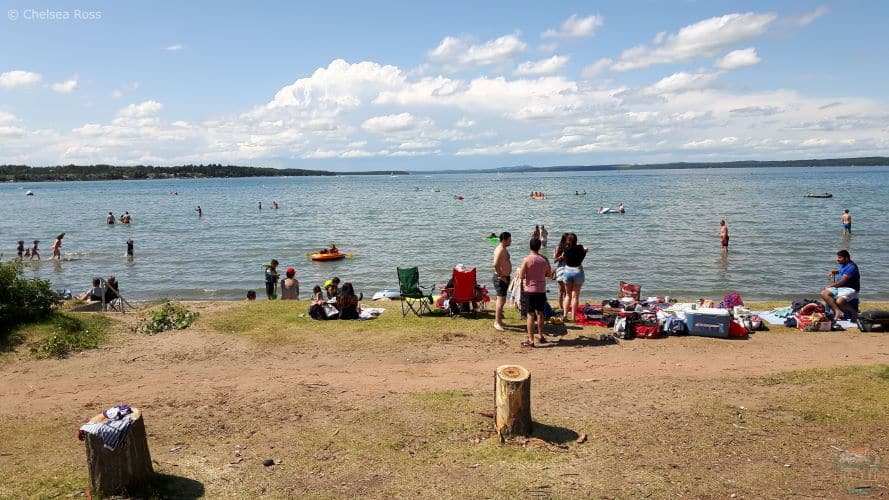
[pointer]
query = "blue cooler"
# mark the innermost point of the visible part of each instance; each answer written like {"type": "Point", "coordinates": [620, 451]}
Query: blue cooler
{"type": "Point", "coordinates": [708, 322]}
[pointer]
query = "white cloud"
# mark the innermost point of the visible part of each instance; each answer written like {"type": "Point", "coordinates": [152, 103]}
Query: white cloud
{"type": "Point", "coordinates": [401, 122]}
{"type": "Point", "coordinates": [576, 27]}
{"type": "Point", "coordinates": [142, 110]}
{"type": "Point", "coordinates": [65, 87]}
{"type": "Point", "coordinates": [682, 82]}
{"type": "Point", "coordinates": [339, 86]}
{"type": "Point", "coordinates": [7, 117]}
{"type": "Point", "coordinates": [457, 54]}
{"type": "Point", "coordinates": [543, 67]}
{"type": "Point", "coordinates": [175, 47]}
{"type": "Point", "coordinates": [703, 39]}
{"type": "Point", "coordinates": [19, 78]}
{"type": "Point", "coordinates": [6, 131]}
{"type": "Point", "coordinates": [738, 59]}
{"type": "Point", "coordinates": [806, 19]}
{"type": "Point", "coordinates": [594, 69]}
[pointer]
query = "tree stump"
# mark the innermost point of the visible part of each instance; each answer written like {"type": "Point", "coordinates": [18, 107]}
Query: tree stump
{"type": "Point", "coordinates": [125, 469]}
{"type": "Point", "coordinates": [512, 401]}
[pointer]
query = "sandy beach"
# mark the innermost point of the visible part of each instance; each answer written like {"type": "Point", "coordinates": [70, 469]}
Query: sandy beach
{"type": "Point", "coordinates": [397, 407]}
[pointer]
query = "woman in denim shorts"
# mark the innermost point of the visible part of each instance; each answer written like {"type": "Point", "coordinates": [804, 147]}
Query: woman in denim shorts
{"type": "Point", "coordinates": [572, 274]}
{"type": "Point", "coordinates": [559, 262]}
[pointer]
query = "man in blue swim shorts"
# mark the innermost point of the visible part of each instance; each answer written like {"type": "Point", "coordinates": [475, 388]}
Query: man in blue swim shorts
{"type": "Point", "coordinates": [845, 288]}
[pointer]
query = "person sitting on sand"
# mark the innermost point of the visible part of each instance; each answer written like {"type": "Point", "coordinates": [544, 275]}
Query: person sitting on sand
{"type": "Point", "coordinates": [845, 287]}
{"type": "Point", "coordinates": [317, 295]}
{"type": "Point", "coordinates": [347, 302]}
{"type": "Point", "coordinates": [112, 289]}
{"type": "Point", "coordinates": [94, 294]}
{"type": "Point", "coordinates": [290, 286]}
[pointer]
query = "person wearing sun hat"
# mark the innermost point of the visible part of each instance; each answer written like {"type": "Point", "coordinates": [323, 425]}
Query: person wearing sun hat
{"type": "Point", "coordinates": [289, 285]}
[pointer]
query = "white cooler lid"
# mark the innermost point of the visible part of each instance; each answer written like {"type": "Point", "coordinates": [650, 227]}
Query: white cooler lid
{"type": "Point", "coordinates": [713, 311]}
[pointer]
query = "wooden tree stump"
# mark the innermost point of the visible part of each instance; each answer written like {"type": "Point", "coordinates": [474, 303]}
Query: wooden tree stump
{"type": "Point", "coordinates": [512, 401]}
{"type": "Point", "coordinates": [125, 469]}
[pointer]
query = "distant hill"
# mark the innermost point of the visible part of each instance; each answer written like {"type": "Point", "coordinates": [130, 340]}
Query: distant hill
{"type": "Point", "coordinates": [868, 161]}
{"type": "Point", "coordinates": [23, 173]}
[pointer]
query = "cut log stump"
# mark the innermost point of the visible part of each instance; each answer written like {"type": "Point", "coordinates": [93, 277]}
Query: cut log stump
{"type": "Point", "coordinates": [126, 469]}
{"type": "Point", "coordinates": [512, 401]}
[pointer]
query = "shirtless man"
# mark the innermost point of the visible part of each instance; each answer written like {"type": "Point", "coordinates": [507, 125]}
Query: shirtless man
{"type": "Point", "coordinates": [502, 275]}
{"type": "Point", "coordinates": [723, 235]}
{"type": "Point", "coordinates": [847, 222]}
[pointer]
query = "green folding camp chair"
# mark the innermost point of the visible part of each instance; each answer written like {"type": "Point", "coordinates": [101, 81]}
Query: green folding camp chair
{"type": "Point", "coordinates": [414, 298]}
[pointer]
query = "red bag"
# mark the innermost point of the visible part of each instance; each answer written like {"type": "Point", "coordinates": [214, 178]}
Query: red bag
{"type": "Point", "coordinates": [736, 329]}
{"type": "Point", "coordinates": [646, 331]}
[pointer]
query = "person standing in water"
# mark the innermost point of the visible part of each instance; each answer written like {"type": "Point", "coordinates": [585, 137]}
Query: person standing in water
{"type": "Point", "coordinates": [271, 279]}
{"type": "Point", "coordinates": [21, 248]}
{"type": "Point", "coordinates": [110, 218]}
{"type": "Point", "coordinates": [723, 235]}
{"type": "Point", "coordinates": [259, 204]}
{"type": "Point", "coordinates": [847, 223]}
{"type": "Point", "coordinates": [130, 248]}
{"type": "Point", "coordinates": [543, 235]}
{"type": "Point", "coordinates": [199, 211]}
{"type": "Point", "coordinates": [57, 247]}
{"type": "Point", "coordinates": [34, 251]}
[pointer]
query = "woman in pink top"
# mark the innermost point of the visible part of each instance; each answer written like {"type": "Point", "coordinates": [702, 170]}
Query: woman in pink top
{"type": "Point", "coordinates": [533, 273]}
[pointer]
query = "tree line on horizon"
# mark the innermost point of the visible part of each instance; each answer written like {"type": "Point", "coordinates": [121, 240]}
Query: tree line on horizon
{"type": "Point", "coordinates": [22, 173]}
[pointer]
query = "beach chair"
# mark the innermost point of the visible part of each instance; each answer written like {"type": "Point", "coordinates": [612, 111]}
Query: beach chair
{"type": "Point", "coordinates": [414, 298]}
{"type": "Point", "coordinates": [462, 297]}
{"type": "Point", "coordinates": [629, 290]}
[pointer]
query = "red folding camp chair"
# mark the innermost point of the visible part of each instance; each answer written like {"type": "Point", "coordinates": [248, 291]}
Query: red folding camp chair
{"type": "Point", "coordinates": [462, 297]}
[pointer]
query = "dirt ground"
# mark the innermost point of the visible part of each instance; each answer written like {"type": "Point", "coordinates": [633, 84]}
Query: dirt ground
{"type": "Point", "coordinates": [682, 416]}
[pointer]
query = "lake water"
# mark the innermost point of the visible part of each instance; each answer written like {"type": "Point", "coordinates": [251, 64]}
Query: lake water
{"type": "Point", "coordinates": [781, 243]}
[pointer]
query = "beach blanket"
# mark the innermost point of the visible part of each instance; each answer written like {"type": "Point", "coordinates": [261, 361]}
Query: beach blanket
{"type": "Point", "coordinates": [775, 316]}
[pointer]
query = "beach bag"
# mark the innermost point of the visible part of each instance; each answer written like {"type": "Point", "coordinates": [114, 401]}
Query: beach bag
{"type": "Point", "coordinates": [731, 300]}
{"type": "Point", "coordinates": [871, 321]}
{"type": "Point", "coordinates": [331, 312]}
{"type": "Point", "coordinates": [811, 318]}
{"type": "Point", "coordinates": [675, 326]}
{"type": "Point", "coordinates": [620, 329]}
{"type": "Point", "coordinates": [736, 329]}
{"type": "Point", "coordinates": [644, 326]}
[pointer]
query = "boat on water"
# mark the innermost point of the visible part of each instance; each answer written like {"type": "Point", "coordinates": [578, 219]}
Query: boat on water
{"type": "Point", "coordinates": [327, 256]}
{"type": "Point", "coordinates": [29, 193]}
{"type": "Point", "coordinates": [817, 195]}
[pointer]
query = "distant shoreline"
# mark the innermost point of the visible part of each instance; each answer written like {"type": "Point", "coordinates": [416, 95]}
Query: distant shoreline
{"type": "Point", "coordinates": [24, 173]}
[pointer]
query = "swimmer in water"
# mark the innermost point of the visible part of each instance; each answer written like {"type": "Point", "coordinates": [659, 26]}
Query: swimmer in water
{"type": "Point", "coordinates": [199, 211]}
{"type": "Point", "coordinates": [110, 218]}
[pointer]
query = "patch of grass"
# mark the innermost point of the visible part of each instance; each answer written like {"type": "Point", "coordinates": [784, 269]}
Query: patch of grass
{"type": "Point", "coordinates": [288, 323]}
{"type": "Point", "coordinates": [64, 333]}
{"type": "Point", "coordinates": [832, 396]}
{"type": "Point", "coordinates": [170, 316]}
{"type": "Point", "coordinates": [62, 469]}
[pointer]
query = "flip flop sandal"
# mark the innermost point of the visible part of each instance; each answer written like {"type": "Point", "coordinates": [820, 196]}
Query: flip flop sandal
{"type": "Point", "coordinates": [527, 344]}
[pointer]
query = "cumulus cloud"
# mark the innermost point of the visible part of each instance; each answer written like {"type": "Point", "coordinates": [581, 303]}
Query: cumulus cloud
{"type": "Point", "coordinates": [703, 39]}
{"type": "Point", "coordinates": [576, 27]}
{"type": "Point", "coordinates": [738, 59]}
{"type": "Point", "coordinates": [19, 78]}
{"type": "Point", "coordinates": [65, 87]}
{"type": "Point", "coordinates": [461, 123]}
{"type": "Point", "coordinates": [456, 54]}
{"type": "Point", "coordinates": [402, 122]}
{"type": "Point", "coordinates": [7, 117]}
{"type": "Point", "coordinates": [142, 110]}
{"type": "Point", "coordinates": [683, 82]}
{"type": "Point", "coordinates": [174, 47]}
{"type": "Point", "coordinates": [543, 67]}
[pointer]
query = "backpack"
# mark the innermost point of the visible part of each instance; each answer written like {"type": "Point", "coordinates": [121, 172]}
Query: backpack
{"type": "Point", "coordinates": [731, 300]}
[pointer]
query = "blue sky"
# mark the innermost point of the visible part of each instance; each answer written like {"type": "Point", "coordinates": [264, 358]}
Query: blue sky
{"type": "Point", "coordinates": [367, 85]}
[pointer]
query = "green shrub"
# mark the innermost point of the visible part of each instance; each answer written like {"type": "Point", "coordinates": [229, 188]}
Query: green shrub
{"type": "Point", "coordinates": [23, 300]}
{"type": "Point", "coordinates": [170, 316]}
{"type": "Point", "coordinates": [67, 334]}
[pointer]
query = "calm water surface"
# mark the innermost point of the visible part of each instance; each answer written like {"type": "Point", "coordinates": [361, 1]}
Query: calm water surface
{"type": "Point", "coordinates": [781, 243]}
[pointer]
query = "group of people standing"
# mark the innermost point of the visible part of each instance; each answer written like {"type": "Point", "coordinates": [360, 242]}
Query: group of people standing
{"type": "Point", "coordinates": [568, 257]}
